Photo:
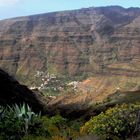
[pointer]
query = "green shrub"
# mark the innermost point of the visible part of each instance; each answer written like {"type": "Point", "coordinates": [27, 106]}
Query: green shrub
{"type": "Point", "coordinates": [117, 122]}
{"type": "Point", "coordinates": [60, 128]}
{"type": "Point", "coordinates": [15, 121]}
{"type": "Point", "coordinates": [10, 126]}
{"type": "Point", "coordinates": [53, 125]}
{"type": "Point", "coordinates": [20, 122]}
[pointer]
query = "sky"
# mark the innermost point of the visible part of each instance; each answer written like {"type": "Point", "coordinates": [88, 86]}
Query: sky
{"type": "Point", "coordinates": [15, 8]}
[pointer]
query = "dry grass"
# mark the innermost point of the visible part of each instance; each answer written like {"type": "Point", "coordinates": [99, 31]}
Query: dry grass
{"type": "Point", "coordinates": [100, 87]}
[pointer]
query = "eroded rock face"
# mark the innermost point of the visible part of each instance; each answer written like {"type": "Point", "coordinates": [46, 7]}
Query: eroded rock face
{"type": "Point", "coordinates": [92, 40]}
{"type": "Point", "coordinates": [12, 92]}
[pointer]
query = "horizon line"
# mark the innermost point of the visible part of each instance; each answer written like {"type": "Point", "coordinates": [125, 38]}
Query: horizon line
{"type": "Point", "coordinates": [67, 10]}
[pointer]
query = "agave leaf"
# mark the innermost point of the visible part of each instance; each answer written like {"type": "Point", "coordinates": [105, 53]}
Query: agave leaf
{"type": "Point", "coordinates": [17, 109]}
{"type": "Point", "coordinates": [23, 109]}
{"type": "Point", "coordinates": [28, 108]}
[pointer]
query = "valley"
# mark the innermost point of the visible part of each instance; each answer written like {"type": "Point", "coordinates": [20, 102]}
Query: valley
{"type": "Point", "coordinates": [76, 64]}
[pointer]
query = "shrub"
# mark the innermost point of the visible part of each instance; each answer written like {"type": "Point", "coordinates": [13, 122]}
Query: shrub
{"type": "Point", "coordinates": [52, 126]}
{"type": "Point", "coordinates": [15, 121]}
{"type": "Point", "coordinates": [10, 126]}
{"type": "Point", "coordinates": [25, 114]}
{"type": "Point", "coordinates": [19, 122]}
{"type": "Point", "coordinates": [117, 122]}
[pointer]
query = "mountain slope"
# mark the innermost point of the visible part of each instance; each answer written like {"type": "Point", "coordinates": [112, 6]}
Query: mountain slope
{"type": "Point", "coordinates": [11, 92]}
{"type": "Point", "coordinates": [102, 40]}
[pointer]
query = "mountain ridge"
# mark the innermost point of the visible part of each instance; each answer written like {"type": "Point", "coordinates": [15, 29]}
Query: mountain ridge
{"type": "Point", "coordinates": [84, 8]}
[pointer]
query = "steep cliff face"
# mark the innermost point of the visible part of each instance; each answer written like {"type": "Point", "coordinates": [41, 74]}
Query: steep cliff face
{"type": "Point", "coordinates": [102, 40]}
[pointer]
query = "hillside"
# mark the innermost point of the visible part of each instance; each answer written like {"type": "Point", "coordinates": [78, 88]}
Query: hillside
{"type": "Point", "coordinates": [12, 92]}
{"type": "Point", "coordinates": [103, 40]}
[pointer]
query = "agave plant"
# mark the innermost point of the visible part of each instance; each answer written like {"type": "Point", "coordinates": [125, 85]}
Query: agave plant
{"type": "Point", "coordinates": [24, 112]}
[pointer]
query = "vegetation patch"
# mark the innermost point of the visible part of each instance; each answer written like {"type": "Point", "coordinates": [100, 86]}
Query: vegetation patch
{"type": "Point", "coordinates": [119, 122]}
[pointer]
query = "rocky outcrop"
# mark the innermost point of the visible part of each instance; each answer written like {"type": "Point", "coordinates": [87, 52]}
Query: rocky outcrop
{"type": "Point", "coordinates": [12, 92]}
{"type": "Point", "coordinates": [85, 41]}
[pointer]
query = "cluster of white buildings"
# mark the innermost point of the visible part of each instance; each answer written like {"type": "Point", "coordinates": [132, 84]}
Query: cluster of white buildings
{"type": "Point", "coordinates": [51, 81]}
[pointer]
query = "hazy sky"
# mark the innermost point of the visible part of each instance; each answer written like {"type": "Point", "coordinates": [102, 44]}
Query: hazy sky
{"type": "Point", "coordinates": [14, 8]}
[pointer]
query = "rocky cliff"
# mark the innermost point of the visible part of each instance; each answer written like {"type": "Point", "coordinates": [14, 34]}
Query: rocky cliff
{"type": "Point", "coordinates": [104, 40]}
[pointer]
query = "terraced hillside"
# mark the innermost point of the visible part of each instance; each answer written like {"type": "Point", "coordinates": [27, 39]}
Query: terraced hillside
{"type": "Point", "coordinates": [103, 40]}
